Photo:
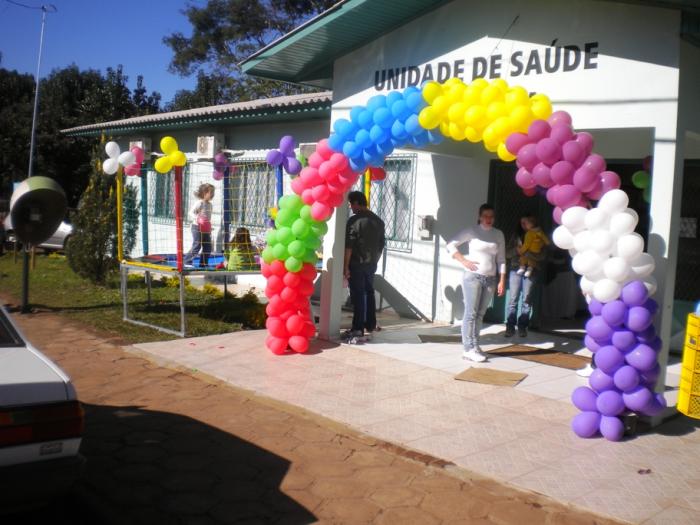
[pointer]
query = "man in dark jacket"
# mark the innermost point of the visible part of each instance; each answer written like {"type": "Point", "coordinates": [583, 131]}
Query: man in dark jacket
{"type": "Point", "coordinates": [364, 245]}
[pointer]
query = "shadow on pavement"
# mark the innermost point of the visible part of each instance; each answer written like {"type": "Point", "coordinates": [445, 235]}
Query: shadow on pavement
{"type": "Point", "coordinates": [151, 467]}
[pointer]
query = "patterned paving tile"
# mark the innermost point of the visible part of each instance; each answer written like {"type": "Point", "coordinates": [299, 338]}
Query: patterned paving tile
{"type": "Point", "coordinates": [619, 503]}
{"type": "Point", "coordinates": [465, 440]}
{"type": "Point", "coordinates": [674, 516]}
{"type": "Point", "coordinates": [400, 430]}
{"type": "Point", "coordinates": [500, 462]}
{"type": "Point", "coordinates": [558, 484]}
{"type": "Point", "coordinates": [507, 397]}
{"type": "Point", "coordinates": [550, 410]}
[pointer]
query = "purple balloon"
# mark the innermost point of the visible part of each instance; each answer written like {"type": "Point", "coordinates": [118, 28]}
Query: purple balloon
{"type": "Point", "coordinates": [638, 319]}
{"type": "Point", "coordinates": [595, 163]}
{"type": "Point", "coordinates": [585, 179]}
{"type": "Point", "coordinates": [573, 152]}
{"type": "Point", "coordinates": [584, 399]}
{"type": "Point", "coordinates": [559, 118]}
{"type": "Point", "coordinates": [609, 403]}
{"type": "Point", "coordinates": [624, 340]}
{"type": "Point", "coordinates": [626, 378]}
{"type": "Point", "coordinates": [634, 293]}
{"type": "Point", "coordinates": [612, 428]}
{"type": "Point", "coordinates": [538, 130]}
{"type": "Point", "coordinates": [561, 133]}
{"type": "Point", "coordinates": [600, 381]}
{"type": "Point", "coordinates": [598, 329]}
{"type": "Point", "coordinates": [638, 399]}
{"type": "Point", "coordinates": [523, 178]}
{"type": "Point", "coordinates": [651, 305]}
{"type": "Point", "coordinates": [274, 157]}
{"type": "Point", "coordinates": [649, 377]}
{"type": "Point", "coordinates": [287, 145]}
{"type": "Point", "coordinates": [567, 196]}
{"type": "Point", "coordinates": [614, 312]}
{"type": "Point", "coordinates": [548, 151]}
{"type": "Point", "coordinates": [595, 307]}
{"type": "Point", "coordinates": [609, 359]}
{"type": "Point", "coordinates": [656, 344]}
{"type": "Point", "coordinates": [542, 175]}
{"type": "Point", "coordinates": [220, 160]}
{"type": "Point", "coordinates": [656, 405]}
{"type": "Point", "coordinates": [586, 424]}
{"type": "Point", "coordinates": [592, 344]}
{"type": "Point", "coordinates": [217, 175]}
{"type": "Point", "coordinates": [562, 172]}
{"type": "Point", "coordinates": [292, 165]}
{"type": "Point", "coordinates": [585, 140]}
{"type": "Point", "coordinates": [610, 181]}
{"type": "Point", "coordinates": [647, 335]}
{"type": "Point", "coordinates": [515, 141]}
{"type": "Point", "coordinates": [642, 357]}
{"type": "Point", "coordinates": [527, 157]}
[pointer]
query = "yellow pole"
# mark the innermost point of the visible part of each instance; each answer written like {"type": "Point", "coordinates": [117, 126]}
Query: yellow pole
{"type": "Point", "coordinates": [367, 183]}
{"type": "Point", "coordinates": [120, 246]}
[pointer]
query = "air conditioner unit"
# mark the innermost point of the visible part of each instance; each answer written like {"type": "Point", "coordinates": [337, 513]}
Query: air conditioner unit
{"type": "Point", "coordinates": [209, 145]}
{"type": "Point", "coordinates": [143, 143]}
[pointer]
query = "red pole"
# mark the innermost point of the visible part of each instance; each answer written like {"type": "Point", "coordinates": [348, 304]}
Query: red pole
{"type": "Point", "coordinates": [178, 215]}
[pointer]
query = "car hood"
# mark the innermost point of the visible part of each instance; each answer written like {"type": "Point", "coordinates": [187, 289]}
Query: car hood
{"type": "Point", "coordinates": [28, 377]}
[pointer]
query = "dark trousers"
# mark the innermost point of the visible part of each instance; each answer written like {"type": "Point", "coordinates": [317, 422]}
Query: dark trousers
{"type": "Point", "coordinates": [364, 308]}
{"type": "Point", "coordinates": [199, 241]}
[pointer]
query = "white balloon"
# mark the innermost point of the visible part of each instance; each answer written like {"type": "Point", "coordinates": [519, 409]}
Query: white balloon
{"type": "Point", "coordinates": [630, 246]}
{"type": "Point", "coordinates": [602, 241]}
{"type": "Point", "coordinates": [127, 159]}
{"type": "Point", "coordinates": [617, 269]}
{"type": "Point", "coordinates": [110, 166]}
{"type": "Point", "coordinates": [643, 265]}
{"type": "Point", "coordinates": [650, 282]}
{"type": "Point", "coordinates": [606, 290]}
{"type": "Point", "coordinates": [614, 201]}
{"type": "Point", "coordinates": [582, 241]}
{"type": "Point", "coordinates": [586, 285]}
{"type": "Point", "coordinates": [623, 223]}
{"type": "Point", "coordinates": [572, 252]}
{"type": "Point", "coordinates": [595, 275]}
{"type": "Point", "coordinates": [597, 218]}
{"type": "Point", "coordinates": [563, 238]}
{"type": "Point", "coordinates": [574, 218]}
{"type": "Point", "coordinates": [587, 262]}
{"type": "Point", "coordinates": [112, 149]}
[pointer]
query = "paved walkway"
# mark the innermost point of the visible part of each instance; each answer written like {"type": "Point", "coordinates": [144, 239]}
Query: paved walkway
{"type": "Point", "coordinates": [395, 390]}
{"type": "Point", "coordinates": [173, 445]}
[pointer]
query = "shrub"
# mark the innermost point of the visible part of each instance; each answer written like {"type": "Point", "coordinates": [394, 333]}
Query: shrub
{"type": "Point", "coordinates": [246, 310]}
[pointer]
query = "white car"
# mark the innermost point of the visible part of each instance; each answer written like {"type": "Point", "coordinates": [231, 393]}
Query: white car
{"type": "Point", "coordinates": [57, 241]}
{"type": "Point", "coordinates": [41, 424]}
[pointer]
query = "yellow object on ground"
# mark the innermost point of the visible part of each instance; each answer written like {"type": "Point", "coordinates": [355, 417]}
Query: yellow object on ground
{"type": "Point", "coordinates": [689, 394]}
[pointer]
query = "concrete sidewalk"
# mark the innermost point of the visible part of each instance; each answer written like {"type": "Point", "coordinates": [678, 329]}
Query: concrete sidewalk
{"type": "Point", "coordinates": [404, 392]}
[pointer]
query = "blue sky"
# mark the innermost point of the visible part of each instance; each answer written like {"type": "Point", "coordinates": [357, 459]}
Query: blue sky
{"type": "Point", "coordinates": [96, 34]}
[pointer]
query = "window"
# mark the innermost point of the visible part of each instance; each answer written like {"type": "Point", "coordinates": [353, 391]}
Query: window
{"type": "Point", "coordinates": [252, 194]}
{"type": "Point", "coordinates": [161, 195]}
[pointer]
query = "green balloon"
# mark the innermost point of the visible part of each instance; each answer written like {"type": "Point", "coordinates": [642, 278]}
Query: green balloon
{"type": "Point", "coordinates": [286, 217]}
{"type": "Point", "coordinates": [271, 237]}
{"type": "Point", "coordinates": [292, 264]}
{"type": "Point", "coordinates": [296, 249]}
{"type": "Point", "coordinates": [640, 179]}
{"type": "Point", "coordinates": [291, 202]}
{"type": "Point", "coordinates": [280, 251]}
{"type": "Point", "coordinates": [312, 242]}
{"type": "Point", "coordinates": [310, 256]}
{"type": "Point", "coordinates": [305, 213]}
{"type": "Point", "coordinates": [268, 255]}
{"type": "Point", "coordinates": [300, 228]}
{"type": "Point", "coordinates": [647, 194]}
{"type": "Point", "coordinates": [320, 228]}
{"type": "Point", "coordinates": [284, 235]}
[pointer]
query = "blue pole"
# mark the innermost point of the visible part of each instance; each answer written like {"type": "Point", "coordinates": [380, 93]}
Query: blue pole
{"type": "Point", "coordinates": [280, 185]}
{"type": "Point", "coordinates": [144, 210]}
{"type": "Point", "coordinates": [227, 206]}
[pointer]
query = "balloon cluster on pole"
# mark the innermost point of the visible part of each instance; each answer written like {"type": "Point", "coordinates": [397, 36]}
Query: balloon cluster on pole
{"type": "Point", "coordinates": [221, 164]}
{"type": "Point", "coordinates": [135, 168]}
{"type": "Point", "coordinates": [116, 158]}
{"type": "Point", "coordinates": [284, 156]}
{"type": "Point", "coordinates": [642, 179]}
{"type": "Point", "coordinates": [172, 156]}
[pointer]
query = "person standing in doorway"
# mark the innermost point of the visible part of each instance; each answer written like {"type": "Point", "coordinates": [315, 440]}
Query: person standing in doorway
{"type": "Point", "coordinates": [364, 245]}
{"type": "Point", "coordinates": [201, 225]}
{"type": "Point", "coordinates": [485, 273]}
{"type": "Point", "coordinates": [521, 283]}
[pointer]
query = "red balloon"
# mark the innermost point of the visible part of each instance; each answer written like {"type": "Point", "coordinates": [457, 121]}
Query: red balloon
{"type": "Point", "coordinates": [275, 284]}
{"type": "Point", "coordinates": [307, 196]}
{"type": "Point", "coordinates": [276, 344]}
{"type": "Point", "coordinates": [530, 192]}
{"type": "Point", "coordinates": [309, 330]}
{"type": "Point", "coordinates": [276, 327]}
{"type": "Point", "coordinates": [377, 173]}
{"type": "Point", "coordinates": [277, 268]}
{"type": "Point", "coordinates": [305, 288]}
{"type": "Point", "coordinates": [315, 160]}
{"type": "Point", "coordinates": [295, 324]}
{"type": "Point", "coordinates": [299, 343]}
{"type": "Point", "coordinates": [292, 280]}
{"type": "Point", "coordinates": [320, 192]}
{"type": "Point", "coordinates": [308, 272]}
{"type": "Point", "coordinates": [276, 305]}
{"type": "Point", "coordinates": [310, 176]}
{"type": "Point", "coordinates": [289, 295]}
{"type": "Point", "coordinates": [265, 269]}
{"type": "Point", "coordinates": [287, 314]}
{"type": "Point", "coordinates": [335, 200]}
{"type": "Point", "coordinates": [327, 171]}
{"type": "Point", "coordinates": [298, 186]}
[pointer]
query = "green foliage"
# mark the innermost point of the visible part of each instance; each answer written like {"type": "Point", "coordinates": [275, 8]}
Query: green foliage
{"type": "Point", "coordinates": [130, 218]}
{"type": "Point", "coordinates": [90, 250]}
{"type": "Point", "coordinates": [224, 32]}
{"type": "Point", "coordinates": [247, 310]}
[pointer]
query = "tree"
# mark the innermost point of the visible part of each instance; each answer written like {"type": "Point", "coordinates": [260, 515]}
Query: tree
{"type": "Point", "coordinates": [224, 32]}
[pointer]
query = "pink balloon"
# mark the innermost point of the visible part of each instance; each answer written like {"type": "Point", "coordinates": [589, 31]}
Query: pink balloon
{"type": "Point", "coordinates": [134, 169]}
{"type": "Point", "coordinates": [298, 185]}
{"type": "Point", "coordinates": [335, 200]}
{"type": "Point", "coordinates": [610, 181]}
{"type": "Point", "coordinates": [315, 160]}
{"type": "Point", "coordinates": [561, 133]}
{"type": "Point", "coordinates": [320, 211]}
{"type": "Point", "coordinates": [529, 192]}
{"type": "Point", "coordinates": [338, 161]}
{"type": "Point", "coordinates": [139, 154]}
{"type": "Point", "coordinates": [556, 214]}
{"type": "Point", "coordinates": [542, 175]}
{"type": "Point", "coordinates": [585, 140]}
{"type": "Point", "coordinates": [595, 162]}
{"type": "Point", "coordinates": [277, 345]}
{"type": "Point", "coordinates": [646, 163]}
{"type": "Point", "coordinates": [559, 118]}
{"type": "Point", "coordinates": [326, 170]}
{"type": "Point", "coordinates": [524, 179]}
{"type": "Point", "coordinates": [573, 152]}
{"type": "Point", "coordinates": [538, 130]}
{"type": "Point", "coordinates": [597, 192]}
{"type": "Point", "coordinates": [567, 196]}
{"type": "Point", "coordinates": [348, 179]}
{"type": "Point", "coordinates": [548, 151]}
{"type": "Point", "coordinates": [299, 343]}
{"type": "Point", "coordinates": [336, 187]}
{"type": "Point", "coordinates": [515, 141]}
{"type": "Point", "coordinates": [217, 175]}
{"type": "Point", "coordinates": [323, 149]}
{"type": "Point", "coordinates": [320, 192]}
{"type": "Point", "coordinates": [527, 157]}
{"type": "Point", "coordinates": [551, 194]}
{"type": "Point", "coordinates": [308, 196]}
{"type": "Point", "coordinates": [311, 177]}
{"type": "Point", "coordinates": [585, 179]}
{"type": "Point", "coordinates": [562, 172]}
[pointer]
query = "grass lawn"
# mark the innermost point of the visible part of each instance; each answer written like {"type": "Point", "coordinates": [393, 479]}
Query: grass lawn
{"type": "Point", "coordinates": [54, 286]}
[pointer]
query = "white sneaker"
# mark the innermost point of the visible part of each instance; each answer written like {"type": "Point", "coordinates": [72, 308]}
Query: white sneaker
{"type": "Point", "coordinates": [520, 271]}
{"type": "Point", "coordinates": [586, 371]}
{"type": "Point", "coordinates": [528, 273]}
{"type": "Point", "coordinates": [474, 355]}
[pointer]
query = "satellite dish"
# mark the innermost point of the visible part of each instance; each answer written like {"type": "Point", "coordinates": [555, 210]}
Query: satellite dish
{"type": "Point", "coordinates": [37, 208]}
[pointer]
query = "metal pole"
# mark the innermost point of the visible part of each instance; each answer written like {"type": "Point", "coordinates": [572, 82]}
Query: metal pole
{"type": "Point", "coordinates": [44, 10]}
{"type": "Point", "coordinates": [25, 280]}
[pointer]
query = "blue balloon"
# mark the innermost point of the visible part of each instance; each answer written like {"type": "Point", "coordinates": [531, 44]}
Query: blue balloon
{"type": "Point", "coordinates": [386, 148]}
{"type": "Point", "coordinates": [400, 110]}
{"type": "Point", "coordinates": [398, 131]}
{"type": "Point", "coordinates": [352, 150]}
{"type": "Point", "coordinates": [420, 140]}
{"type": "Point", "coordinates": [378, 134]}
{"type": "Point", "coordinates": [415, 102]}
{"type": "Point", "coordinates": [355, 114]}
{"type": "Point", "coordinates": [383, 117]}
{"type": "Point", "coordinates": [376, 161]}
{"type": "Point", "coordinates": [392, 98]}
{"type": "Point", "coordinates": [364, 120]}
{"type": "Point", "coordinates": [357, 165]}
{"type": "Point", "coordinates": [412, 125]}
{"type": "Point", "coordinates": [376, 102]}
{"type": "Point", "coordinates": [363, 138]}
{"type": "Point", "coordinates": [435, 137]}
{"type": "Point", "coordinates": [336, 142]}
{"type": "Point", "coordinates": [344, 128]}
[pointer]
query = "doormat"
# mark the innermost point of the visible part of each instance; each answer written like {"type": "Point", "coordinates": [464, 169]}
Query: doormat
{"type": "Point", "coordinates": [489, 376]}
{"type": "Point", "coordinates": [545, 356]}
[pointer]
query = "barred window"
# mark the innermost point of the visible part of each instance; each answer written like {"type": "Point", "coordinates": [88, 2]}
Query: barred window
{"type": "Point", "coordinates": [161, 199]}
{"type": "Point", "coordinates": [253, 188]}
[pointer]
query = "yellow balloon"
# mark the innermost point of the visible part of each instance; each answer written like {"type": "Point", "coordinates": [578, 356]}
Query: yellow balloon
{"type": "Point", "coordinates": [445, 128]}
{"type": "Point", "coordinates": [178, 158]}
{"type": "Point", "coordinates": [456, 113]}
{"type": "Point", "coordinates": [455, 92]}
{"type": "Point", "coordinates": [504, 154]}
{"type": "Point", "coordinates": [491, 146]}
{"type": "Point", "coordinates": [472, 95]}
{"type": "Point", "coordinates": [517, 96]}
{"type": "Point", "coordinates": [431, 91]}
{"type": "Point", "coordinates": [479, 83]}
{"type": "Point", "coordinates": [453, 81]}
{"type": "Point", "coordinates": [441, 104]}
{"type": "Point", "coordinates": [491, 94]}
{"type": "Point", "coordinates": [163, 164]}
{"type": "Point", "coordinates": [502, 127]}
{"type": "Point", "coordinates": [428, 118]}
{"type": "Point", "coordinates": [476, 116]}
{"type": "Point", "coordinates": [472, 135]}
{"type": "Point", "coordinates": [489, 135]}
{"type": "Point", "coordinates": [456, 131]}
{"type": "Point", "coordinates": [500, 84]}
{"type": "Point", "coordinates": [542, 108]}
{"type": "Point", "coordinates": [495, 110]}
{"type": "Point", "coordinates": [168, 145]}
{"type": "Point", "coordinates": [520, 118]}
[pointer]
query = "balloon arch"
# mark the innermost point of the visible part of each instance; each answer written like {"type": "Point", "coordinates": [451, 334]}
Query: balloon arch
{"type": "Point", "coordinates": [553, 159]}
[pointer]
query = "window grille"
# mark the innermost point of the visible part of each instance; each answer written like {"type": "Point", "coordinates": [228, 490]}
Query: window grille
{"type": "Point", "coordinates": [253, 188]}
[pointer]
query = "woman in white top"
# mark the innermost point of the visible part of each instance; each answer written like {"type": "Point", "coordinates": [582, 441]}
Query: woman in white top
{"type": "Point", "coordinates": [485, 273]}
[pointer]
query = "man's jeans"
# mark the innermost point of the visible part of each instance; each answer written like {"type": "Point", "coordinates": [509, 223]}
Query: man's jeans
{"type": "Point", "coordinates": [364, 308]}
{"type": "Point", "coordinates": [478, 291]}
{"type": "Point", "coordinates": [519, 284]}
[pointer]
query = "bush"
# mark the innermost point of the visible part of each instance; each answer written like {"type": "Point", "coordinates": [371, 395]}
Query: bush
{"type": "Point", "coordinates": [246, 310]}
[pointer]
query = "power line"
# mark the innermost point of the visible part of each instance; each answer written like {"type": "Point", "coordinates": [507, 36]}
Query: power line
{"type": "Point", "coordinates": [46, 7]}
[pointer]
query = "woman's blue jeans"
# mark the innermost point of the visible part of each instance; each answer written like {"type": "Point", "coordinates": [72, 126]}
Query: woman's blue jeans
{"type": "Point", "coordinates": [478, 291]}
{"type": "Point", "coordinates": [519, 284]}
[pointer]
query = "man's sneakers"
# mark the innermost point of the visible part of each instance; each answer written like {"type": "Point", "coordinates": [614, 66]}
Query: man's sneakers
{"type": "Point", "coordinates": [354, 337]}
{"type": "Point", "coordinates": [475, 355]}
{"type": "Point", "coordinates": [510, 331]}
{"type": "Point", "coordinates": [522, 331]}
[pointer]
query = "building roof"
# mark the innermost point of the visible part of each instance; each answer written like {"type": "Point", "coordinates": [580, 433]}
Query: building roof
{"type": "Point", "coordinates": [306, 54]}
{"type": "Point", "coordinates": [293, 107]}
